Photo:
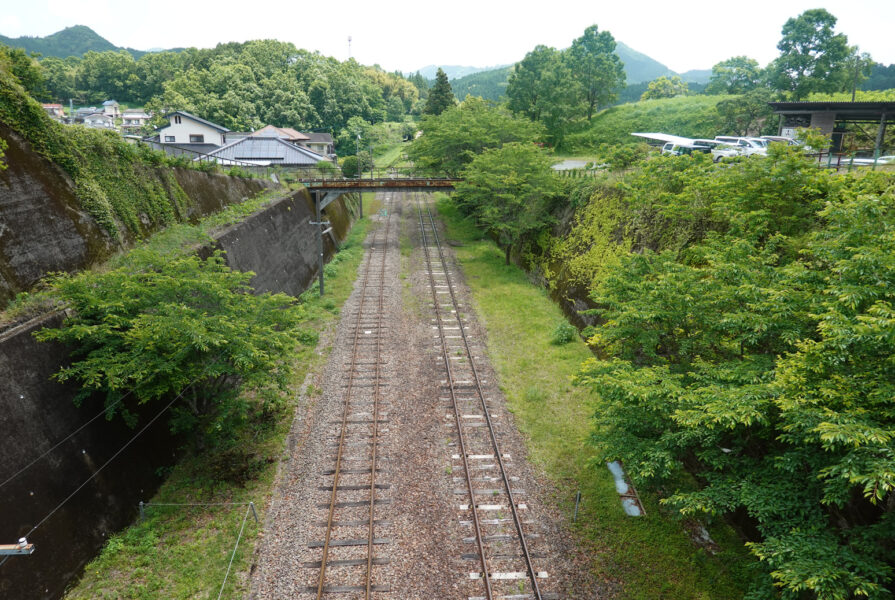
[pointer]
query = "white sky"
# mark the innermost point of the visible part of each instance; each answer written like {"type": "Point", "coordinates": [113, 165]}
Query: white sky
{"type": "Point", "coordinates": [404, 35]}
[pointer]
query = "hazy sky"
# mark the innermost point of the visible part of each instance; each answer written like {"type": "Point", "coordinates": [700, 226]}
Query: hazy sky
{"type": "Point", "coordinates": [399, 34]}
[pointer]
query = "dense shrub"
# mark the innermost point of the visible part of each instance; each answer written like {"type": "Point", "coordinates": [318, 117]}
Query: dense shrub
{"type": "Point", "coordinates": [749, 340]}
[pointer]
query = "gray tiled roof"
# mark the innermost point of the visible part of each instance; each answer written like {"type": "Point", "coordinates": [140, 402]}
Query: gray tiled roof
{"type": "Point", "coordinates": [320, 138]}
{"type": "Point", "coordinates": [269, 149]}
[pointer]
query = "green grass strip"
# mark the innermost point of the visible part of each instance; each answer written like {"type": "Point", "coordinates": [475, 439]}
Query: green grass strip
{"type": "Point", "coordinates": [649, 557]}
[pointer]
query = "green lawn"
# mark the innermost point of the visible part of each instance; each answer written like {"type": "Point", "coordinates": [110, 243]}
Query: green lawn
{"type": "Point", "coordinates": [183, 552]}
{"type": "Point", "coordinates": [391, 155]}
{"type": "Point", "coordinates": [649, 557]}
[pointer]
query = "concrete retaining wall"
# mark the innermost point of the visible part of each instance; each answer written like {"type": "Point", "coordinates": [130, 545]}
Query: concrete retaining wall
{"type": "Point", "coordinates": [44, 229]}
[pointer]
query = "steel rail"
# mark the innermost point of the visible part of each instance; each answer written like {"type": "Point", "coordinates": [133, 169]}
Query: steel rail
{"type": "Point", "coordinates": [475, 377]}
{"type": "Point", "coordinates": [345, 414]}
{"type": "Point", "coordinates": [376, 393]}
{"type": "Point", "coordinates": [450, 378]}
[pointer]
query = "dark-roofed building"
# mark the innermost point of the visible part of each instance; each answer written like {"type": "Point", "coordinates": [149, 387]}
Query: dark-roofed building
{"type": "Point", "coordinates": [321, 143]}
{"type": "Point", "coordinates": [267, 151]}
{"type": "Point", "coordinates": [832, 117]}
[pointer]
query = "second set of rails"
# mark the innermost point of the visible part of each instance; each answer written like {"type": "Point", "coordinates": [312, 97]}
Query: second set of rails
{"type": "Point", "coordinates": [507, 566]}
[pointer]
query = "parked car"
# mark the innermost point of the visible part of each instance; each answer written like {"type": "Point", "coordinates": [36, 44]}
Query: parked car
{"type": "Point", "coordinates": [750, 146]}
{"type": "Point", "coordinates": [724, 150]}
{"type": "Point", "coordinates": [781, 139]}
{"type": "Point", "coordinates": [679, 149]}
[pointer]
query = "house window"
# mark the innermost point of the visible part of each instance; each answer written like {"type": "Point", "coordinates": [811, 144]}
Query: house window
{"type": "Point", "coordinates": [177, 119]}
{"type": "Point", "coordinates": [197, 139]}
{"type": "Point", "coordinates": [169, 138]}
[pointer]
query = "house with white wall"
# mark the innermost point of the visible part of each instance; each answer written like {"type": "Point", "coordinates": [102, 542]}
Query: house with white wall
{"type": "Point", "coordinates": [111, 108]}
{"type": "Point", "coordinates": [191, 132]}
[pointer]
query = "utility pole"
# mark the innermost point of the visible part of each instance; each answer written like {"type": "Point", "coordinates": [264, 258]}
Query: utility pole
{"type": "Point", "coordinates": [320, 233]}
{"type": "Point", "coordinates": [349, 47]}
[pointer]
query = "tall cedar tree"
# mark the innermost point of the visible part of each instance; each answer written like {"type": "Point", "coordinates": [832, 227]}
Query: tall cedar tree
{"type": "Point", "coordinates": [441, 96]}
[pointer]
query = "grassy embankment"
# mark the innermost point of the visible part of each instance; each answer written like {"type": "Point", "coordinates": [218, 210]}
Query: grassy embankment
{"type": "Point", "coordinates": [183, 552]}
{"type": "Point", "coordinates": [690, 116]}
{"type": "Point", "coordinates": [650, 557]}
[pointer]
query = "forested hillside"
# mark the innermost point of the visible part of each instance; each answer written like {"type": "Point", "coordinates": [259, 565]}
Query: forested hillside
{"type": "Point", "coordinates": [490, 85]}
{"type": "Point", "coordinates": [239, 85]}
{"type": "Point", "coordinates": [71, 41]}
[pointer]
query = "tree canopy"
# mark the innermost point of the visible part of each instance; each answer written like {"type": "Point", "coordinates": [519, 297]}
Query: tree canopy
{"type": "Point", "coordinates": [452, 139]}
{"type": "Point", "coordinates": [509, 191]}
{"type": "Point", "coordinates": [596, 67]}
{"type": "Point", "coordinates": [665, 87]}
{"type": "Point", "coordinates": [736, 75]}
{"type": "Point", "coordinates": [747, 334]}
{"type": "Point", "coordinates": [812, 57]}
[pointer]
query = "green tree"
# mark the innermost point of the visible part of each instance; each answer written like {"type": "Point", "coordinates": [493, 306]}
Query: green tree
{"type": "Point", "coordinates": [26, 69]}
{"type": "Point", "coordinates": [542, 87]}
{"type": "Point", "coordinates": [529, 84]}
{"type": "Point", "coordinates": [422, 86]}
{"type": "Point", "coordinates": [509, 190]}
{"type": "Point", "coordinates": [663, 87]}
{"type": "Point", "coordinates": [160, 326]}
{"type": "Point", "coordinates": [743, 115]}
{"type": "Point", "coordinates": [596, 67]}
{"type": "Point", "coordinates": [736, 75]}
{"type": "Point", "coordinates": [452, 140]}
{"type": "Point", "coordinates": [107, 75]}
{"type": "Point", "coordinates": [748, 335]}
{"type": "Point", "coordinates": [60, 77]}
{"type": "Point", "coordinates": [812, 58]}
{"type": "Point", "coordinates": [441, 97]}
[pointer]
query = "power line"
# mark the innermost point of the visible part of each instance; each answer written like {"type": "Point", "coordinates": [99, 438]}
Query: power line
{"type": "Point", "coordinates": [65, 439]}
{"type": "Point", "coordinates": [113, 457]}
{"type": "Point", "coordinates": [245, 517]}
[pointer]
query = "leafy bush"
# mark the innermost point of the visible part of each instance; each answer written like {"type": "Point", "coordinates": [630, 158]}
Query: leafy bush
{"type": "Point", "coordinates": [563, 333]}
{"type": "Point", "coordinates": [749, 343]}
{"type": "Point", "coordinates": [161, 325]}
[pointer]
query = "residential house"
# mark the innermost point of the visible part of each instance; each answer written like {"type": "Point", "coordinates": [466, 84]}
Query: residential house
{"type": "Point", "coordinates": [321, 143]}
{"type": "Point", "coordinates": [283, 133]}
{"type": "Point", "coordinates": [99, 121]}
{"type": "Point", "coordinates": [55, 111]}
{"type": "Point", "coordinates": [186, 133]}
{"type": "Point", "coordinates": [133, 120]}
{"type": "Point", "coordinates": [111, 109]}
{"type": "Point", "coordinates": [270, 150]}
{"type": "Point", "coordinates": [82, 113]}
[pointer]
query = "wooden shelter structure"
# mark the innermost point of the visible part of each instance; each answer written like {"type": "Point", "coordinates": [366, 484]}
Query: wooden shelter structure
{"type": "Point", "coordinates": [833, 117]}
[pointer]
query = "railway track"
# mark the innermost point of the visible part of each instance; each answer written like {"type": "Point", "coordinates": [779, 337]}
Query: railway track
{"type": "Point", "coordinates": [357, 494]}
{"type": "Point", "coordinates": [492, 508]}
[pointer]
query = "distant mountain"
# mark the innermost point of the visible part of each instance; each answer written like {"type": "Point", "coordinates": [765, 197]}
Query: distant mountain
{"type": "Point", "coordinates": [71, 41]}
{"type": "Point", "coordinates": [697, 75]}
{"type": "Point", "coordinates": [638, 66]}
{"type": "Point", "coordinates": [490, 85]}
{"type": "Point", "coordinates": [454, 71]}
